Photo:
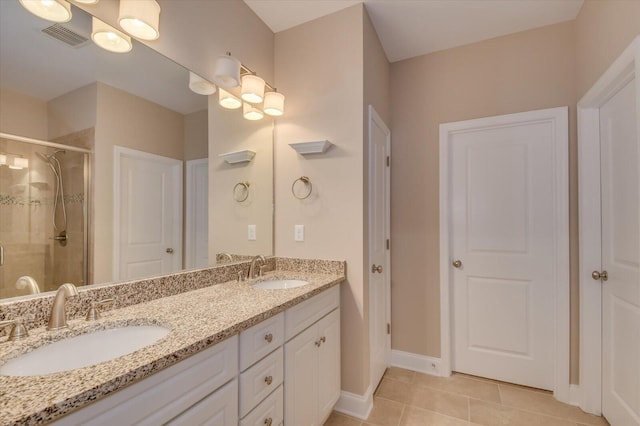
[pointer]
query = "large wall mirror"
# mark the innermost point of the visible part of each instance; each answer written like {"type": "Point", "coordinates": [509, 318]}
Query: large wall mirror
{"type": "Point", "coordinates": [133, 182]}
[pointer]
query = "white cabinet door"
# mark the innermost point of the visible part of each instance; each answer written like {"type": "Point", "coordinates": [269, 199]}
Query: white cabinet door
{"type": "Point", "coordinates": [218, 409]}
{"type": "Point", "coordinates": [301, 379]}
{"type": "Point", "coordinates": [328, 364]}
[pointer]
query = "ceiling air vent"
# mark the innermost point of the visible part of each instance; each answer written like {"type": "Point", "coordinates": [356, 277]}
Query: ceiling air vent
{"type": "Point", "coordinates": [65, 35]}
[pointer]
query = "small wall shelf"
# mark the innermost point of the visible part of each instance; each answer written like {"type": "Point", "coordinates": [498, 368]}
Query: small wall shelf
{"type": "Point", "coordinates": [314, 147]}
{"type": "Point", "coordinates": [236, 157]}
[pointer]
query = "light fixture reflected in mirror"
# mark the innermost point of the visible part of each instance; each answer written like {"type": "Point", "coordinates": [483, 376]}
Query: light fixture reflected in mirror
{"type": "Point", "coordinates": [19, 163]}
{"type": "Point", "coordinates": [51, 10]}
{"type": "Point", "coordinates": [200, 86]}
{"type": "Point", "coordinates": [252, 113]}
{"type": "Point", "coordinates": [107, 37]}
{"type": "Point", "coordinates": [140, 18]}
{"type": "Point", "coordinates": [227, 100]}
{"type": "Point", "coordinates": [252, 88]}
{"type": "Point", "coordinates": [274, 104]}
{"type": "Point", "coordinates": [87, 1]}
{"type": "Point", "coordinates": [227, 71]}
{"type": "Point", "coordinates": [3, 160]}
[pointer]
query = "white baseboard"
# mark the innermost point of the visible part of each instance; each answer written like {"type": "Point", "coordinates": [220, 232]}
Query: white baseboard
{"type": "Point", "coordinates": [574, 395]}
{"type": "Point", "coordinates": [354, 405]}
{"type": "Point", "coordinates": [420, 363]}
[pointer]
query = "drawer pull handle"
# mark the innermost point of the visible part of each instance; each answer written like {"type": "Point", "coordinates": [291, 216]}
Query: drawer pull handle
{"type": "Point", "coordinates": [268, 421]}
{"type": "Point", "coordinates": [268, 380]}
{"type": "Point", "coordinates": [268, 338]}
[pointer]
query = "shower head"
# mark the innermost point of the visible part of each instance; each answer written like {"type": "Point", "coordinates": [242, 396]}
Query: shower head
{"type": "Point", "coordinates": [48, 158]}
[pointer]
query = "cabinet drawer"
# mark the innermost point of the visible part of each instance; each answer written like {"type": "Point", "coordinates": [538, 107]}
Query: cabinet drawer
{"type": "Point", "coordinates": [260, 380]}
{"type": "Point", "coordinates": [260, 340]}
{"type": "Point", "coordinates": [306, 313]}
{"type": "Point", "coordinates": [270, 408]}
{"type": "Point", "coordinates": [218, 409]}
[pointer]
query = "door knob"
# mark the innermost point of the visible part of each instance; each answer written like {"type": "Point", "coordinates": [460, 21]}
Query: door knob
{"type": "Point", "coordinates": [375, 268]}
{"type": "Point", "coordinates": [457, 264]}
{"type": "Point", "coordinates": [170, 250]}
{"type": "Point", "coordinates": [597, 275]}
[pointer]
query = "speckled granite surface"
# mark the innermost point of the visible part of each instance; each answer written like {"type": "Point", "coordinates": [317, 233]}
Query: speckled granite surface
{"type": "Point", "coordinates": [197, 319]}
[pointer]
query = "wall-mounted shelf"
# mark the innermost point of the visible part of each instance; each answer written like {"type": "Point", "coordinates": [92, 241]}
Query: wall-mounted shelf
{"type": "Point", "coordinates": [313, 147]}
{"type": "Point", "coordinates": [236, 157]}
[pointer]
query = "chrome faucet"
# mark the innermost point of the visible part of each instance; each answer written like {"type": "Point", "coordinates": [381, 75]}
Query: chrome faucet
{"type": "Point", "coordinates": [58, 317]}
{"type": "Point", "coordinates": [252, 268]}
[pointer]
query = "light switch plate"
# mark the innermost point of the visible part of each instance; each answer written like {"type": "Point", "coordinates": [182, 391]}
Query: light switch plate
{"type": "Point", "coordinates": [298, 234]}
{"type": "Point", "coordinates": [252, 233]}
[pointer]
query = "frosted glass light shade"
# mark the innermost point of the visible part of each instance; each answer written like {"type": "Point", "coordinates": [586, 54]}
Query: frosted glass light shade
{"type": "Point", "coordinates": [19, 163]}
{"type": "Point", "coordinates": [252, 89]}
{"type": "Point", "coordinates": [3, 160]}
{"type": "Point", "coordinates": [140, 18]}
{"type": "Point", "coordinates": [227, 72]}
{"type": "Point", "coordinates": [251, 113]}
{"type": "Point", "coordinates": [51, 10]}
{"type": "Point", "coordinates": [107, 37]}
{"type": "Point", "coordinates": [274, 104]}
{"type": "Point", "coordinates": [201, 86]}
{"type": "Point", "coordinates": [227, 100]}
{"type": "Point", "coordinates": [87, 1]}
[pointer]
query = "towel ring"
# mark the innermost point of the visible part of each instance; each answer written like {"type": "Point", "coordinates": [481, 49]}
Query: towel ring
{"type": "Point", "coordinates": [307, 182]}
{"type": "Point", "coordinates": [244, 194]}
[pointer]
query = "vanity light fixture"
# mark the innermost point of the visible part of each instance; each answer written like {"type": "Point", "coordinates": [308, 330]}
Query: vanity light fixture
{"type": "Point", "coordinates": [227, 100]}
{"type": "Point", "coordinates": [19, 163]}
{"type": "Point", "coordinates": [107, 37]}
{"type": "Point", "coordinates": [252, 113]}
{"type": "Point", "coordinates": [227, 71]}
{"type": "Point", "coordinates": [87, 1]}
{"type": "Point", "coordinates": [51, 10]}
{"type": "Point", "coordinates": [200, 86]}
{"type": "Point", "coordinates": [3, 160]}
{"type": "Point", "coordinates": [274, 104]}
{"type": "Point", "coordinates": [140, 18]}
{"type": "Point", "coordinates": [252, 88]}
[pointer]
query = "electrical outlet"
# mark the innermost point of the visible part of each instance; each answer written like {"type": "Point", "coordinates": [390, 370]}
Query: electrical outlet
{"type": "Point", "coordinates": [252, 232]}
{"type": "Point", "coordinates": [298, 234]}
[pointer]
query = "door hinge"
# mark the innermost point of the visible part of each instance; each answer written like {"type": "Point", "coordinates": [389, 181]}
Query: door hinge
{"type": "Point", "coordinates": [388, 161]}
{"type": "Point", "coordinates": [388, 328]}
{"type": "Point", "coordinates": [388, 244]}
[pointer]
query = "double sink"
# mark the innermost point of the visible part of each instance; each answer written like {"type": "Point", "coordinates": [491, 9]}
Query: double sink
{"type": "Point", "coordinates": [100, 346]}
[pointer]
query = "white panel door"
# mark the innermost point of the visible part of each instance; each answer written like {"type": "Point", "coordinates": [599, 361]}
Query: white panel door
{"type": "Point", "coordinates": [502, 231]}
{"type": "Point", "coordinates": [379, 258]}
{"type": "Point", "coordinates": [620, 258]}
{"type": "Point", "coordinates": [148, 215]}
{"type": "Point", "coordinates": [197, 214]}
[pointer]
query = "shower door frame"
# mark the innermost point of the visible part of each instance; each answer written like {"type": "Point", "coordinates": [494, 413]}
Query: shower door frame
{"type": "Point", "coordinates": [87, 188]}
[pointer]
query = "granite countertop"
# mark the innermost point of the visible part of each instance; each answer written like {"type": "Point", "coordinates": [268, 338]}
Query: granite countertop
{"type": "Point", "coordinates": [197, 319]}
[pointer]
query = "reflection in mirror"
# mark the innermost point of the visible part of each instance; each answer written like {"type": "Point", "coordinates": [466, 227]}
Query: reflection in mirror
{"type": "Point", "coordinates": [133, 178]}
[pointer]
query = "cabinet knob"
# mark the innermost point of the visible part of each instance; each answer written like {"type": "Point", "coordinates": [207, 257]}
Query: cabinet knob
{"type": "Point", "coordinates": [169, 250]}
{"type": "Point", "coordinates": [375, 268]}
{"type": "Point", "coordinates": [268, 380]}
{"type": "Point", "coordinates": [268, 421]}
{"type": "Point", "coordinates": [457, 264]}
{"type": "Point", "coordinates": [597, 275]}
{"type": "Point", "coordinates": [268, 338]}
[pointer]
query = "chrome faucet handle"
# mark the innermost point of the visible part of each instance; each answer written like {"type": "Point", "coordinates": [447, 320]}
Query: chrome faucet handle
{"type": "Point", "coordinates": [18, 331]}
{"type": "Point", "coordinates": [93, 314]}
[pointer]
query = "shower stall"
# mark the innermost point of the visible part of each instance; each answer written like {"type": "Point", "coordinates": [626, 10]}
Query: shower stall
{"type": "Point", "coordinates": [44, 195]}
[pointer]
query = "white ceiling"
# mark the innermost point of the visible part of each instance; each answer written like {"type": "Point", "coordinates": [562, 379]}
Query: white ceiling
{"type": "Point", "coordinates": [409, 28]}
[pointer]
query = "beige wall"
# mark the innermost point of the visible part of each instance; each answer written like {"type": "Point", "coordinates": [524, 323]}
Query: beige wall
{"type": "Point", "coordinates": [23, 115]}
{"type": "Point", "coordinates": [132, 122]}
{"type": "Point", "coordinates": [541, 68]}
{"type": "Point", "coordinates": [319, 66]}
{"type": "Point", "coordinates": [73, 111]}
{"type": "Point", "coordinates": [228, 219]}
{"type": "Point", "coordinates": [196, 135]}
{"type": "Point", "coordinates": [525, 71]}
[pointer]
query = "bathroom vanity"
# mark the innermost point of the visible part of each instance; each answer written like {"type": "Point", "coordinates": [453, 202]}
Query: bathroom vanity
{"type": "Point", "coordinates": [234, 355]}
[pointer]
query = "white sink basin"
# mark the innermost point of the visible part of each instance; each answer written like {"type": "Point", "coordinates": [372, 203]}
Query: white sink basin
{"type": "Point", "coordinates": [83, 350]}
{"type": "Point", "coordinates": [280, 284]}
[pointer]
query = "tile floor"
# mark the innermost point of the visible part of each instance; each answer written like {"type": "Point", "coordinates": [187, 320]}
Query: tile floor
{"type": "Point", "coordinates": [406, 398]}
